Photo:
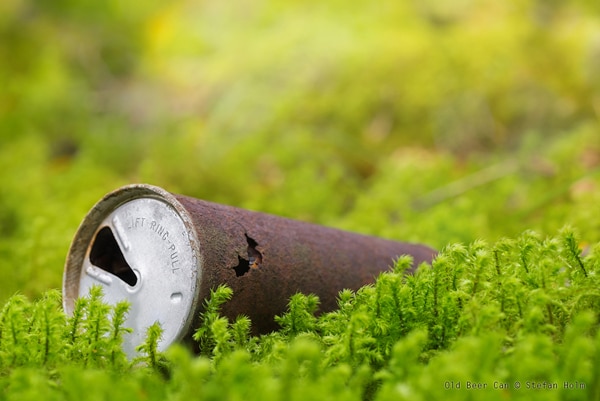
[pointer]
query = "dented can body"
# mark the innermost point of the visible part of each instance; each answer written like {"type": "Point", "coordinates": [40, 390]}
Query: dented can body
{"type": "Point", "coordinates": [164, 253]}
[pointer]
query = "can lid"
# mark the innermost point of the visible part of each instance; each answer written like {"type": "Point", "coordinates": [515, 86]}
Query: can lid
{"type": "Point", "coordinates": [138, 243]}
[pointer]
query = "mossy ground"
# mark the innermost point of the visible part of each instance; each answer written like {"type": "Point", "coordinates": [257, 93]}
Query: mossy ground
{"type": "Point", "coordinates": [517, 319]}
{"type": "Point", "coordinates": [472, 122]}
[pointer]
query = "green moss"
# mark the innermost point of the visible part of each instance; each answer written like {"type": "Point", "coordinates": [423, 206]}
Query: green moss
{"type": "Point", "coordinates": [479, 320]}
{"type": "Point", "coordinates": [467, 122]}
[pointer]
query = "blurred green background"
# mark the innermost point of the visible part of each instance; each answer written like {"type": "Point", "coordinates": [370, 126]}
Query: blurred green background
{"type": "Point", "coordinates": [430, 121]}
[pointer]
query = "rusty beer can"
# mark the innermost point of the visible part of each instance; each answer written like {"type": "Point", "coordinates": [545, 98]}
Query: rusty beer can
{"type": "Point", "coordinates": [163, 253]}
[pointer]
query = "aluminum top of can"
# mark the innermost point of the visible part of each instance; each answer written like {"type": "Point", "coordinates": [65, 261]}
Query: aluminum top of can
{"type": "Point", "coordinates": [138, 243]}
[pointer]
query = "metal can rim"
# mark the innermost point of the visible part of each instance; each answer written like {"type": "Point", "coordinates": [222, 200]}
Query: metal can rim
{"type": "Point", "coordinates": [84, 235]}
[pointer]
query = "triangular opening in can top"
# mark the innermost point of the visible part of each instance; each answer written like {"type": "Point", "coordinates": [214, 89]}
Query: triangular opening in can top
{"type": "Point", "coordinates": [107, 255]}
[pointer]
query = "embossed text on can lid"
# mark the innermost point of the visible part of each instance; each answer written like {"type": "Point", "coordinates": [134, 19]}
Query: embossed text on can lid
{"type": "Point", "coordinates": [139, 245]}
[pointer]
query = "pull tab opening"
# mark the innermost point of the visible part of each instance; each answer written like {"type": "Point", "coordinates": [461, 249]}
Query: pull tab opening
{"type": "Point", "coordinates": [107, 255]}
